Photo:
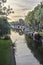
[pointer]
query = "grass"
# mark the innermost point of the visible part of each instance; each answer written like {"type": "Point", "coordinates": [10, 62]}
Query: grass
{"type": "Point", "coordinates": [4, 52]}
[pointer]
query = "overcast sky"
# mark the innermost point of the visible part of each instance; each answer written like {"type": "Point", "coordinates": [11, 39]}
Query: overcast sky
{"type": "Point", "coordinates": [23, 4]}
{"type": "Point", "coordinates": [21, 7]}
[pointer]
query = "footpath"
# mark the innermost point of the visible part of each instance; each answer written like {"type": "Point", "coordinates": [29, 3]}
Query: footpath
{"type": "Point", "coordinates": [21, 53]}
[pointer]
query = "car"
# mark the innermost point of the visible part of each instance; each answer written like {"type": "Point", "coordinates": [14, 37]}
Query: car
{"type": "Point", "coordinates": [28, 31]}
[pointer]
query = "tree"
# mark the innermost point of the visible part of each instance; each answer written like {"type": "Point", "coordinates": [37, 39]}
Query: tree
{"type": "Point", "coordinates": [35, 18]}
{"type": "Point", "coordinates": [4, 25]}
{"type": "Point", "coordinates": [5, 10]}
{"type": "Point", "coordinates": [21, 22]}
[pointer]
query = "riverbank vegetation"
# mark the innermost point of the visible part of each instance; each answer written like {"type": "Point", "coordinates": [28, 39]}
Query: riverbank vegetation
{"type": "Point", "coordinates": [38, 52]}
{"type": "Point", "coordinates": [4, 52]}
{"type": "Point", "coordinates": [34, 19]}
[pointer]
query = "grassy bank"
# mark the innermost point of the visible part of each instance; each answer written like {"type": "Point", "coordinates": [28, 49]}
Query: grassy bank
{"type": "Point", "coordinates": [29, 41]}
{"type": "Point", "coordinates": [4, 52]}
{"type": "Point", "coordinates": [38, 53]}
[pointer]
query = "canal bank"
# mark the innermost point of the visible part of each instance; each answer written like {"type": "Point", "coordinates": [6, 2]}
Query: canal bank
{"type": "Point", "coordinates": [22, 54]}
{"type": "Point", "coordinates": [38, 51]}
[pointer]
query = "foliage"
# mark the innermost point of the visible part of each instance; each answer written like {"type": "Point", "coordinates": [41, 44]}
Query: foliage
{"type": "Point", "coordinates": [21, 22]}
{"type": "Point", "coordinates": [4, 12]}
{"type": "Point", "coordinates": [38, 53]}
{"type": "Point", "coordinates": [41, 33]}
{"type": "Point", "coordinates": [4, 26]}
{"type": "Point", "coordinates": [35, 18]}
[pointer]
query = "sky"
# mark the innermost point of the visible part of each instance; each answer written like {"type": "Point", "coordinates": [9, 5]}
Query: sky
{"type": "Point", "coordinates": [21, 7]}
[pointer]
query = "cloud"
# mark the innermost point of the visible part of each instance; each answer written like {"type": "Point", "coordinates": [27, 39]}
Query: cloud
{"type": "Point", "coordinates": [21, 7]}
{"type": "Point", "coordinates": [23, 4]}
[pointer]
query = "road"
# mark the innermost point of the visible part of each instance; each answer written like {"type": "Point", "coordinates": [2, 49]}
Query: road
{"type": "Point", "coordinates": [22, 54]}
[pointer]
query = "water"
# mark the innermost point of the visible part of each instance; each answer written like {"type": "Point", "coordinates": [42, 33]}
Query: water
{"type": "Point", "coordinates": [23, 54]}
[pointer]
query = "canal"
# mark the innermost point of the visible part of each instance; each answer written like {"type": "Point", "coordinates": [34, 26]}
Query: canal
{"type": "Point", "coordinates": [23, 54]}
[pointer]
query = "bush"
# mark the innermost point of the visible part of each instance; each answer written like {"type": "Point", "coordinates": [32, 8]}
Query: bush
{"type": "Point", "coordinates": [6, 37]}
{"type": "Point", "coordinates": [4, 26]}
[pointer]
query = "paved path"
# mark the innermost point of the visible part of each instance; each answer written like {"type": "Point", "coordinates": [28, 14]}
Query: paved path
{"type": "Point", "coordinates": [22, 54]}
